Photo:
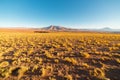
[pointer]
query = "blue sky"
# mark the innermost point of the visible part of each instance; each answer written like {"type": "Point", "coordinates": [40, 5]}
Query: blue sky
{"type": "Point", "coordinates": [68, 13]}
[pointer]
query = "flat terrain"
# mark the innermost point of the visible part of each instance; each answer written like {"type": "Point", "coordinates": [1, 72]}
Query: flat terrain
{"type": "Point", "coordinates": [59, 56]}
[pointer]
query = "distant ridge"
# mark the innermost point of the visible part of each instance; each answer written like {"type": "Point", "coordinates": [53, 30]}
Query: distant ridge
{"type": "Point", "coordinates": [61, 28]}
{"type": "Point", "coordinates": [107, 29]}
{"type": "Point", "coordinates": [55, 28]}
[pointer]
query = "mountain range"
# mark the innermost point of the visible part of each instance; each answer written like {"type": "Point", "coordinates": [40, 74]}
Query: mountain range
{"type": "Point", "coordinates": [61, 28]}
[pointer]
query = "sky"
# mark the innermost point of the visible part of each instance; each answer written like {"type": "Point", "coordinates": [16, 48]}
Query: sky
{"type": "Point", "coordinates": [90, 14]}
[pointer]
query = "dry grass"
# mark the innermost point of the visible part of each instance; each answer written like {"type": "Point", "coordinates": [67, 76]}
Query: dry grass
{"type": "Point", "coordinates": [59, 56]}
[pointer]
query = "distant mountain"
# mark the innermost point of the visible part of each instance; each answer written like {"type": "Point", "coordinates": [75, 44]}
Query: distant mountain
{"type": "Point", "coordinates": [55, 28]}
{"type": "Point", "coordinates": [61, 28]}
{"type": "Point", "coordinates": [107, 29]}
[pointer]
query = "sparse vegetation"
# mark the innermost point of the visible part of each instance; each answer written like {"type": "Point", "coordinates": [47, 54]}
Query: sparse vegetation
{"type": "Point", "coordinates": [85, 55]}
{"type": "Point", "coordinates": [69, 77]}
{"type": "Point", "coordinates": [71, 60]}
{"type": "Point", "coordinates": [4, 64]}
{"type": "Point", "coordinates": [59, 56]}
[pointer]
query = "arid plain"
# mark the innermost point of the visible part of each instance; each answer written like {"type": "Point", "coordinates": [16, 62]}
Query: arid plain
{"type": "Point", "coordinates": [25, 55]}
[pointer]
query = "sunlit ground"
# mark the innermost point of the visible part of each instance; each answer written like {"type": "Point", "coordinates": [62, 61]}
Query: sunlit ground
{"type": "Point", "coordinates": [59, 56]}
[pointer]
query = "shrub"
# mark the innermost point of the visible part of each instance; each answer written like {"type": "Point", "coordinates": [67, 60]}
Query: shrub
{"type": "Point", "coordinates": [4, 72]}
{"type": "Point", "coordinates": [4, 64]}
{"type": "Point", "coordinates": [56, 60]}
{"type": "Point", "coordinates": [85, 55]}
{"type": "Point", "coordinates": [43, 72]}
{"type": "Point", "coordinates": [85, 65]}
{"type": "Point", "coordinates": [69, 77]}
{"type": "Point", "coordinates": [99, 73]}
{"type": "Point", "coordinates": [71, 60]}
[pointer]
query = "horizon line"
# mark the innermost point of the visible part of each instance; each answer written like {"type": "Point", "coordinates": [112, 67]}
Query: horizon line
{"type": "Point", "coordinates": [56, 25]}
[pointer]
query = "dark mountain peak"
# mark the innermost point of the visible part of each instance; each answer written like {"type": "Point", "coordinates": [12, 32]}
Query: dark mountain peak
{"type": "Point", "coordinates": [55, 28]}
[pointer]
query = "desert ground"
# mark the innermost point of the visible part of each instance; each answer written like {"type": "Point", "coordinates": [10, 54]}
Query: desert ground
{"type": "Point", "coordinates": [59, 55]}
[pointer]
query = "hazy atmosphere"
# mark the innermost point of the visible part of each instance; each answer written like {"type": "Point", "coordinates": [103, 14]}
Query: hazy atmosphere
{"type": "Point", "coordinates": [68, 13]}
